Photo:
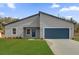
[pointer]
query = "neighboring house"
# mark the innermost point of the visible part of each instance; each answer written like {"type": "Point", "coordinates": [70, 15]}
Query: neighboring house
{"type": "Point", "coordinates": [41, 25]}
{"type": "Point", "coordinates": [1, 34]}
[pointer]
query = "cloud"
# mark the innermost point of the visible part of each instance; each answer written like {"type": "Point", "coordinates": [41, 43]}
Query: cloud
{"type": "Point", "coordinates": [1, 5]}
{"type": "Point", "coordinates": [1, 13]}
{"type": "Point", "coordinates": [55, 5]}
{"type": "Point", "coordinates": [71, 8]}
{"type": "Point", "coordinates": [68, 17]}
{"type": "Point", "coordinates": [11, 5]}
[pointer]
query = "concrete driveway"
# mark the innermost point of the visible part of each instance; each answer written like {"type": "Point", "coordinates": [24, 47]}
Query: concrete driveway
{"type": "Point", "coordinates": [63, 46]}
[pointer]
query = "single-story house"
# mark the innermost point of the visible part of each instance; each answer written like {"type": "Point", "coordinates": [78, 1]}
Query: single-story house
{"type": "Point", "coordinates": [41, 25]}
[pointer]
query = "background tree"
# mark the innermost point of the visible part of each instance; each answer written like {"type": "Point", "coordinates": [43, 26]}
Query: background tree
{"type": "Point", "coordinates": [5, 20]}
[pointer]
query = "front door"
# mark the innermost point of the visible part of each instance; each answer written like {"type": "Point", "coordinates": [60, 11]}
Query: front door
{"type": "Point", "coordinates": [33, 33]}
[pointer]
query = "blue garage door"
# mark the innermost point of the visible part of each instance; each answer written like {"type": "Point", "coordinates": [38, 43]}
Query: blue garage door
{"type": "Point", "coordinates": [56, 33]}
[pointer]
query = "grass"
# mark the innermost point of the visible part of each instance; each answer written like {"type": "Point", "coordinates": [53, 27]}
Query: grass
{"type": "Point", "coordinates": [76, 38]}
{"type": "Point", "coordinates": [24, 47]}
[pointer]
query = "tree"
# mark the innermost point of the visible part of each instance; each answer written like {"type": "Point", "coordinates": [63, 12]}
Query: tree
{"type": "Point", "coordinates": [72, 20]}
{"type": "Point", "coordinates": [77, 28]}
{"type": "Point", "coordinates": [5, 20]}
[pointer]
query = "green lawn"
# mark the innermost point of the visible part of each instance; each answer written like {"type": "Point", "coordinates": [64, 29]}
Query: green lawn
{"type": "Point", "coordinates": [24, 47]}
{"type": "Point", "coordinates": [76, 38]}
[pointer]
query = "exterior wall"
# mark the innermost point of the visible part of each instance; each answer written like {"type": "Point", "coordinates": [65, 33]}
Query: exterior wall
{"type": "Point", "coordinates": [52, 22]}
{"type": "Point", "coordinates": [30, 22]}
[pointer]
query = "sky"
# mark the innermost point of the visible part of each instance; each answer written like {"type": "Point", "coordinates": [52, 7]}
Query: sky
{"type": "Point", "coordinates": [22, 10]}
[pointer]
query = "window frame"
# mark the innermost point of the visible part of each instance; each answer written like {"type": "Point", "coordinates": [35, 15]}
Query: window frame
{"type": "Point", "coordinates": [29, 31]}
{"type": "Point", "coordinates": [14, 31]}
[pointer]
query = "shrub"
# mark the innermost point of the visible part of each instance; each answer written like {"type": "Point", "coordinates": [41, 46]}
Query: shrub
{"type": "Point", "coordinates": [41, 38]}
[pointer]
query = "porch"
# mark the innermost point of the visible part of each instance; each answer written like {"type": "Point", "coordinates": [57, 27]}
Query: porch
{"type": "Point", "coordinates": [31, 32]}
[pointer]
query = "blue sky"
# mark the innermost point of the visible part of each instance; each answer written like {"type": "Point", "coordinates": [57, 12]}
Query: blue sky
{"type": "Point", "coordinates": [21, 10]}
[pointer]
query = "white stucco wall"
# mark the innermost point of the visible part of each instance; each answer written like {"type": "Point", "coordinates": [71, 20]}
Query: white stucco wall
{"type": "Point", "coordinates": [51, 22]}
{"type": "Point", "coordinates": [30, 22]}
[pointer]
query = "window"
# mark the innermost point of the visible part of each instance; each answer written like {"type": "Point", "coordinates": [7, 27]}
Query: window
{"type": "Point", "coordinates": [14, 30]}
{"type": "Point", "coordinates": [28, 31]}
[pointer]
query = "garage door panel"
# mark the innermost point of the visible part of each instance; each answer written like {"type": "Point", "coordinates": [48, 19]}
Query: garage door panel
{"type": "Point", "coordinates": [56, 33]}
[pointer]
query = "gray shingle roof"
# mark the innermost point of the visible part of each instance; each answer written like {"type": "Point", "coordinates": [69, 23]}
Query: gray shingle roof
{"type": "Point", "coordinates": [42, 13]}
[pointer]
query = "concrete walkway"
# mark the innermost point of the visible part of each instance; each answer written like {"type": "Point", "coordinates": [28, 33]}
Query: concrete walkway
{"type": "Point", "coordinates": [63, 46]}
